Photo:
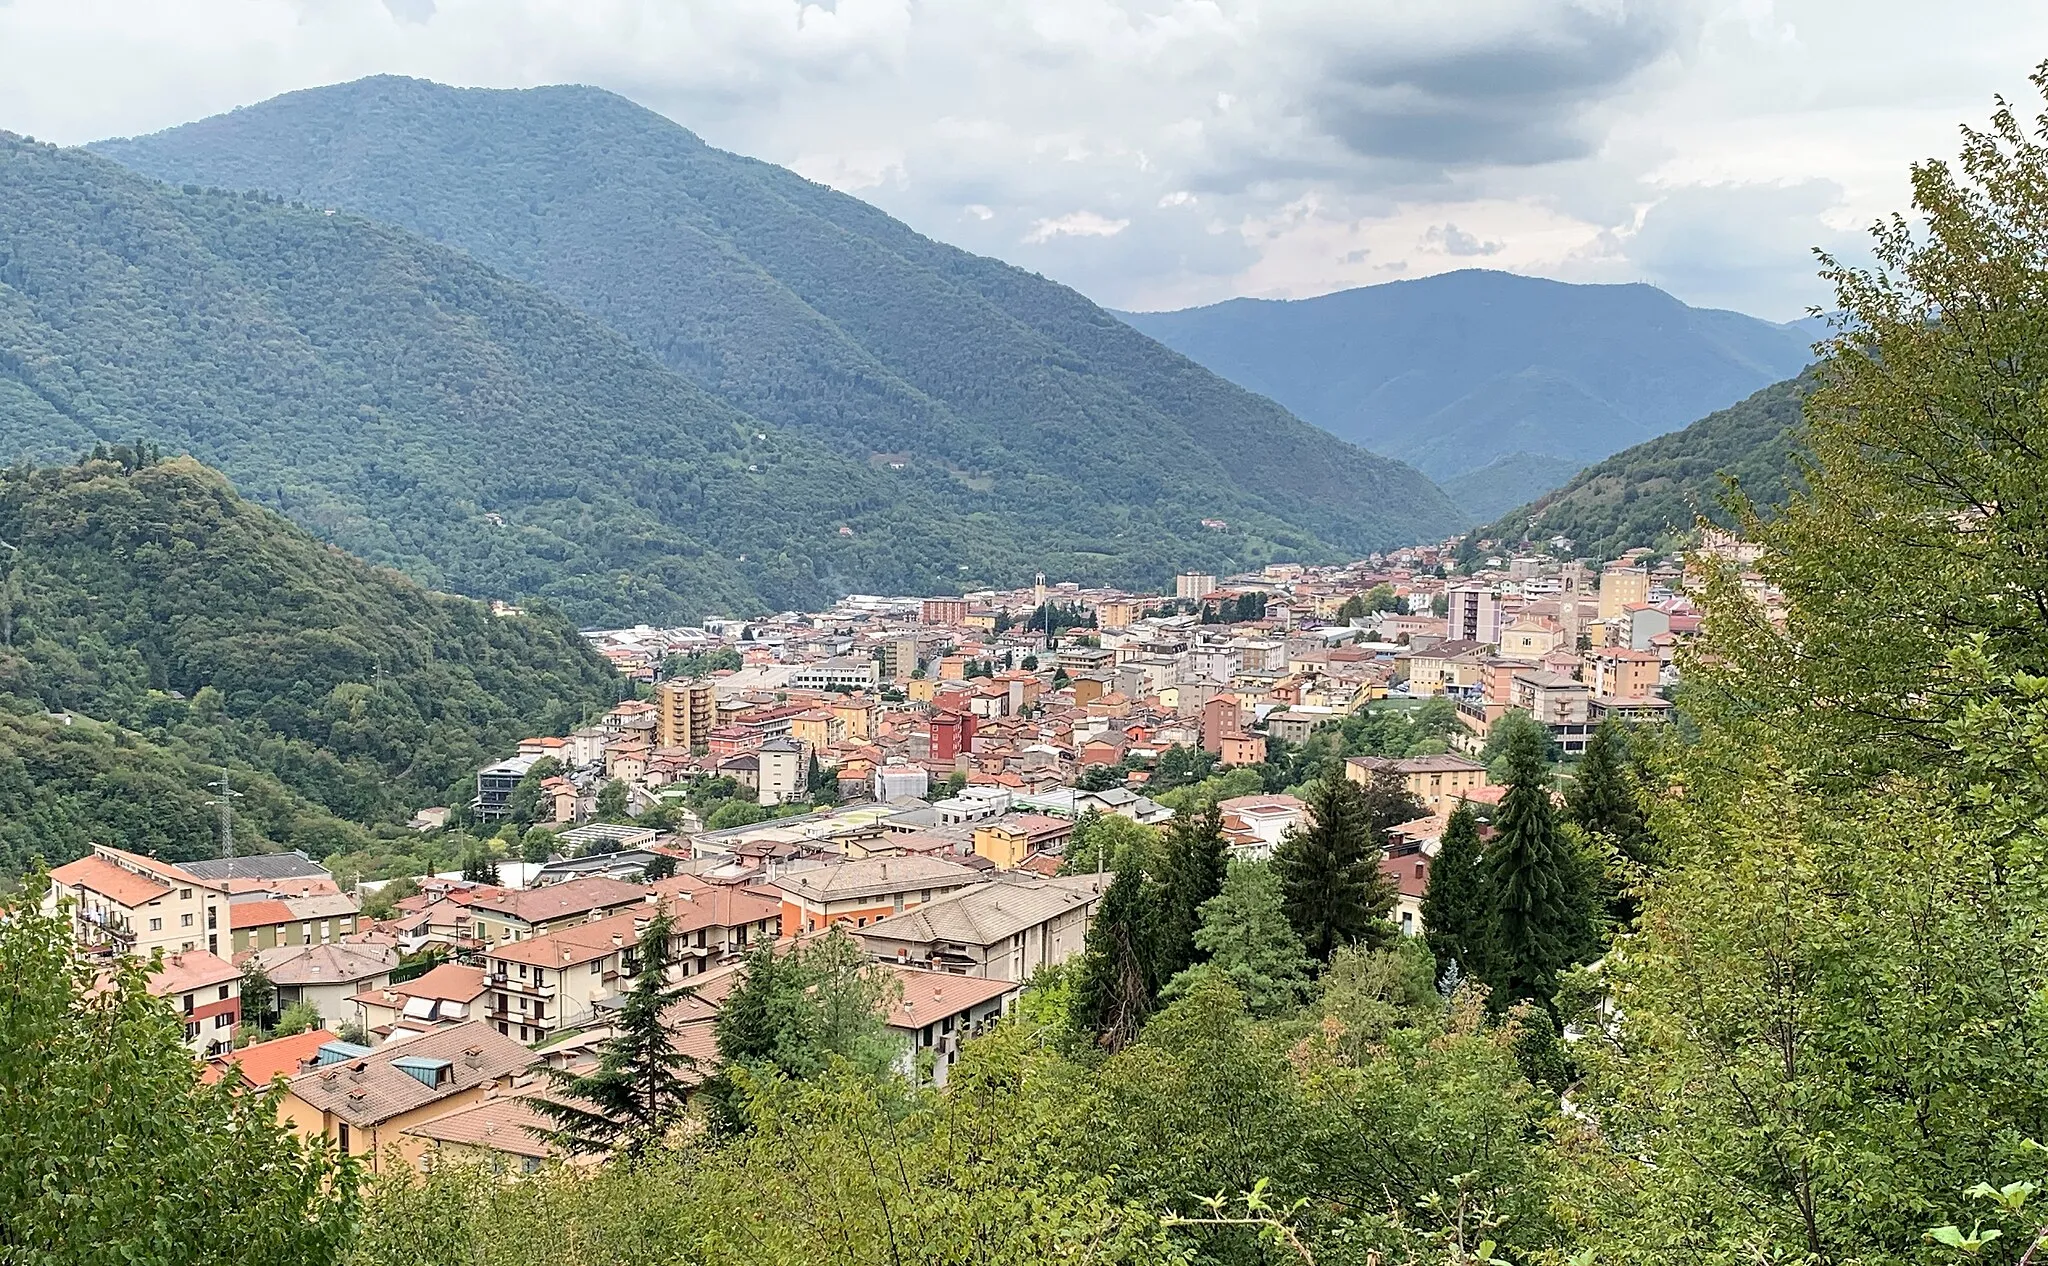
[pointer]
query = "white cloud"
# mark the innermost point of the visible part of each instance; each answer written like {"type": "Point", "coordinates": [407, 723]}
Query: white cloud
{"type": "Point", "coordinates": [1699, 144]}
{"type": "Point", "coordinates": [1075, 224]}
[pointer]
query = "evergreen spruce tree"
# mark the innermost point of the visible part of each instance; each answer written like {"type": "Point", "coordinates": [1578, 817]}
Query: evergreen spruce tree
{"type": "Point", "coordinates": [1389, 803]}
{"type": "Point", "coordinates": [1331, 883]}
{"type": "Point", "coordinates": [1197, 860]}
{"type": "Point", "coordinates": [1456, 917]}
{"type": "Point", "coordinates": [1249, 942]}
{"type": "Point", "coordinates": [1116, 987]}
{"type": "Point", "coordinates": [1537, 883]}
{"type": "Point", "coordinates": [1603, 802]}
{"type": "Point", "coordinates": [635, 1096]}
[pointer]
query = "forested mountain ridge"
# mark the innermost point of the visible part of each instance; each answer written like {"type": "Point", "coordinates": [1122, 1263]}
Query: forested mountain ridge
{"type": "Point", "coordinates": [1657, 491]}
{"type": "Point", "coordinates": [1454, 371]}
{"type": "Point", "coordinates": [811, 309]}
{"type": "Point", "coordinates": [216, 633]}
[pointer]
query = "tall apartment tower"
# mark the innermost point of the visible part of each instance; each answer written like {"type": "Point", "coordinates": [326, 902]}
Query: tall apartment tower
{"type": "Point", "coordinates": [1622, 588]}
{"type": "Point", "coordinates": [685, 713]}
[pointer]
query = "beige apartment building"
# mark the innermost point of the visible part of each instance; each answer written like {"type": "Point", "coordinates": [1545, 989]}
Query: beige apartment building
{"type": "Point", "coordinates": [685, 713]}
{"type": "Point", "coordinates": [125, 903]}
{"type": "Point", "coordinates": [1438, 781]}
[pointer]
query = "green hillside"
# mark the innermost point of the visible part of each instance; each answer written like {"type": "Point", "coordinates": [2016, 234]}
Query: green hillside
{"type": "Point", "coordinates": [197, 630]}
{"type": "Point", "coordinates": [1507, 482]}
{"type": "Point", "coordinates": [815, 311]}
{"type": "Point", "coordinates": [1658, 490]}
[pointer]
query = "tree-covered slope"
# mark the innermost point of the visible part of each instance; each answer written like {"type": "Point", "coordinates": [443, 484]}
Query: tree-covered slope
{"type": "Point", "coordinates": [1658, 490]}
{"type": "Point", "coordinates": [1454, 371]}
{"type": "Point", "coordinates": [206, 631]}
{"type": "Point", "coordinates": [811, 309]}
{"type": "Point", "coordinates": [1506, 482]}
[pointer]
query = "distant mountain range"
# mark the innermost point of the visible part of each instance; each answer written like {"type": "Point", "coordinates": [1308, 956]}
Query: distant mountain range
{"type": "Point", "coordinates": [1657, 492]}
{"type": "Point", "coordinates": [1457, 372]}
{"type": "Point", "coordinates": [967, 421]}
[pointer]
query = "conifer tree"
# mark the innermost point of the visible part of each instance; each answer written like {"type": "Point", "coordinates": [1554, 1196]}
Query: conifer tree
{"type": "Point", "coordinates": [635, 1095]}
{"type": "Point", "coordinates": [1116, 987]}
{"type": "Point", "coordinates": [1197, 860]}
{"type": "Point", "coordinates": [1456, 914]}
{"type": "Point", "coordinates": [1536, 883]}
{"type": "Point", "coordinates": [1331, 883]}
{"type": "Point", "coordinates": [1249, 942]}
{"type": "Point", "coordinates": [1603, 801]}
{"type": "Point", "coordinates": [1389, 803]}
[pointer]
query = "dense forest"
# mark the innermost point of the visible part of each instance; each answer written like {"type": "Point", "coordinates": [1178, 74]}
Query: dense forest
{"type": "Point", "coordinates": [1657, 492]}
{"type": "Point", "coordinates": [421, 411]}
{"type": "Point", "coordinates": [178, 629]}
{"type": "Point", "coordinates": [814, 311]}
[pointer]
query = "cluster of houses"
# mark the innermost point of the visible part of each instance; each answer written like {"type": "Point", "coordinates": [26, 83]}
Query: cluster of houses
{"type": "Point", "coordinates": [965, 742]}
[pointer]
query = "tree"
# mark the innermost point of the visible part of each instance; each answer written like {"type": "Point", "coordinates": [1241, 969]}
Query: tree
{"type": "Point", "coordinates": [1389, 803]}
{"type": "Point", "coordinates": [111, 1148]}
{"type": "Point", "coordinates": [1512, 726]}
{"type": "Point", "coordinates": [258, 993]}
{"type": "Point", "coordinates": [1536, 884]}
{"type": "Point", "coordinates": [300, 1017]}
{"type": "Point", "coordinates": [1604, 801]}
{"type": "Point", "coordinates": [795, 1014]}
{"type": "Point", "coordinates": [1101, 778]}
{"type": "Point", "coordinates": [524, 805]}
{"type": "Point", "coordinates": [536, 846]}
{"type": "Point", "coordinates": [1116, 987]}
{"type": "Point", "coordinates": [613, 804]}
{"type": "Point", "coordinates": [1101, 840]}
{"type": "Point", "coordinates": [1457, 909]}
{"type": "Point", "coordinates": [1247, 940]}
{"type": "Point", "coordinates": [635, 1096]}
{"type": "Point", "coordinates": [662, 867]}
{"type": "Point", "coordinates": [734, 813]}
{"type": "Point", "coordinates": [1330, 878]}
{"type": "Point", "coordinates": [1197, 860]}
{"type": "Point", "coordinates": [479, 867]}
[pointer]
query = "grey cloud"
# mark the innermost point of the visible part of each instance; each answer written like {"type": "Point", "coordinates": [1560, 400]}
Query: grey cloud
{"type": "Point", "coordinates": [1514, 96]}
{"type": "Point", "coordinates": [1745, 246]}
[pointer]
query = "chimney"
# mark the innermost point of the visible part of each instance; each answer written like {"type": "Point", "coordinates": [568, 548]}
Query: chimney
{"type": "Point", "coordinates": [617, 940]}
{"type": "Point", "coordinates": [474, 1057]}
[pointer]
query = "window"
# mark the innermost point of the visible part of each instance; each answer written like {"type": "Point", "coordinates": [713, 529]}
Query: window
{"type": "Point", "coordinates": [156, 925]}
{"type": "Point", "coordinates": [188, 1004]}
{"type": "Point", "coordinates": [184, 894]}
{"type": "Point", "coordinates": [212, 918]}
{"type": "Point", "coordinates": [522, 971]}
{"type": "Point", "coordinates": [225, 1020]}
{"type": "Point", "coordinates": [185, 920]}
{"type": "Point", "coordinates": [540, 976]}
{"type": "Point", "coordinates": [223, 993]}
{"type": "Point", "coordinates": [597, 966]}
{"type": "Point", "coordinates": [192, 1030]}
{"type": "Point", "coordinates": [343, 1140]}
{"type": "Point", "coordinates": [540, 1010]}
{"type": "Point", "coordinates": [326, 930]}
{"type": "Point", "coordinates": [305, 932]}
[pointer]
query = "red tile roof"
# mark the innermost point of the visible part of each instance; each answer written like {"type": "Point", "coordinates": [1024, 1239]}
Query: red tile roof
{"type": "Point", "coordinates": [110, 881]}
{"type": "Point", "coordinates": [279, 1057]}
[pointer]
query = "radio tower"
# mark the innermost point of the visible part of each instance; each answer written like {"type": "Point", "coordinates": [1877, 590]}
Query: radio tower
{"type": "Point", "coordinates": [225, 802]}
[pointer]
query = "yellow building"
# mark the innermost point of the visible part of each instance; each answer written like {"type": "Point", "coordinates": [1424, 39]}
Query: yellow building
{"type": "Point", "coordinates": [1008, 841]}
{"type": "Point", "coordinates": [1622, 588]}
{"type": "Point", "coordinates": [1118, 613]}
{"type": "Point", "coordinates": [685, 713]}
{"type": "Point", "coordinates": [1438, 781]}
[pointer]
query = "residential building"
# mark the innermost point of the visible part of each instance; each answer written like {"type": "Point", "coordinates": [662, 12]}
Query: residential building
{"type": "Point", "coordinates": [685, 713]}
{"type": "Point", "coordinates": [1624, 674]}
{"type": "Point", "coordinates": [1221, 716]}
{"type": "Point", "coordinates": [205, 990]}
{"type": "Point", "coordinates": [263, 922]}
{"type": "Point", "coordinates": [1193, 585]}
{"type": "Point", "coordinates": [861, 892]}
{"type": "Point", "coordinates": [1241, 749]}
{"type": "Point", "coordinates": [947, 611]}
{"type": "Point", "coordinates": [1007, 841]}
{"type": "Point", "coordinates": [841, 673]}
{"type": "Point", "coordinates": [446, 994]}
{"type": "Point", "coordinates": [263, 1062]}
{"type": "Point", "coordinates": [495, 784]}
{"type": "Point", "coordinates": [504, 1132]}
{"type": "Point", "coordinates": [1474, 614]}
{"type": "Point", "coordinates": [122, 902]}
{"type": "Point", "coordinates": [288, 872]}
{"type": "Point", "coordinates": [1255, 825]}
{"type": "Point", "coordinates": [784, 771]}
{"type": "Point", "coordinates": [1438, 781]}
{"type": "Point", "coordinates": [1000, 931]}
{"type": "Point", "coordinates": [1622, 588]}
{"type": "Point", "coordinates": [899, 780]}
{"type": "Point", "coordinates": [503, 914]}
{"type": "Point", "coordinates": [364, 1104]}
{"type": "Point", "coordinates": [325, 977]}
{"type": "Point", "coordinates": [938, 1010]}
{"type": "Point", "coordinates": [952, 736]}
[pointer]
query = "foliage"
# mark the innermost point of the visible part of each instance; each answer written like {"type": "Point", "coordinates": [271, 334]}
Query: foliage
{"type": "Point", "coordinates": [612, 805]}
{"type": "Point", "coordinates": [258, 993]}
{"type": "Point", "coordinates": [1541, 887]}
{"type": "Point", "coordinates": [1457, 904]}
{"type": "Point", "coordinates": [1101, 841]}
{"type": "Point", "coordinates": [300, 1017]}
{"type": "Point", "coordinates": [1654, 494]}
{"type": "Point", "coordinates": [1195, 864]}
{"type": "Point", "coordinates": [1389, 731]}
{"type": "Point", "coordinates": [1333, 888]}
{"type": "Point", "coordinates": [219, 634]}
{"type": "Point", "coordinates": [634, 1097]}
{"type": "Point", "coordinates": [1246, 939]}
{"type": "Point", "coordinates": [723, 659]}
{"type": "Point", "coordinates": [111, 1149]}
{"type": "Point", "coordinates": [1605, 800]}
{"type": "Point", "coordinates": [1117, 983]}
{"type": "Point", "coordinates": [1511, 728]}
{"type": "Point", "coordinates": [1034, 432]}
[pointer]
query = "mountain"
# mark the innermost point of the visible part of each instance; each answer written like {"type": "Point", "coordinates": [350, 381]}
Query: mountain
{"type": "Point", "coordinates": [810, 310]}
{"type": "Point", "coordinates": [1657, 491]}
{"type": "Point", "coordinates": [1506, 482]}
{"type": "Point", "coordinates": [1455, 371]}
{"type": "Point", "coordinates": [177, 628]}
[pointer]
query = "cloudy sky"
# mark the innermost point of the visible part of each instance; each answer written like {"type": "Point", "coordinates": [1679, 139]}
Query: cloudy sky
{"type": "Point", "coordinates": [1162, 153]}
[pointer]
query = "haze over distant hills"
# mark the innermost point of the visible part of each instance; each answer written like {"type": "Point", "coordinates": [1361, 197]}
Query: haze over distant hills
{"type": "Point", "coordinates": [1457, 371]}
{"type": "Point", "coordinates": [1003, 396]}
